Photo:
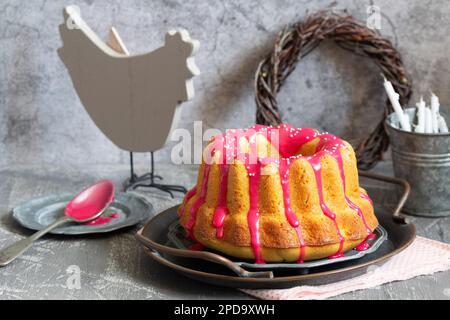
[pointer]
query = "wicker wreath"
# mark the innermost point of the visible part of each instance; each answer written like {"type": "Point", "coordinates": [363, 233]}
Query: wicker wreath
{"type": "Point", "coordinates": [298, 40]}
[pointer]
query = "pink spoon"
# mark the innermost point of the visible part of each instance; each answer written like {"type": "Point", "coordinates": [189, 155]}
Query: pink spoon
{"type": "Point", "coordinates": [86, 206]}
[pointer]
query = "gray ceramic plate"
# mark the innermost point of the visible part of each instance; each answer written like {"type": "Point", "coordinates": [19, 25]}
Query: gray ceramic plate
{"type": "Point", "coordinates": [40, 212]}
{"type": "Point", "coordinates": [177, 237]}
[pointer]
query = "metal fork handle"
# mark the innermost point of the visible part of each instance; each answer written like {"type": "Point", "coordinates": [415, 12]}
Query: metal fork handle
{"type": "Point", "coordinates": [10, 253]}
{"type": "Point", "coordinates": [204, 256]}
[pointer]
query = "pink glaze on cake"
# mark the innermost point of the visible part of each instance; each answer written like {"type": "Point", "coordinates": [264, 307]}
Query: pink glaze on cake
{"type": "Point", "coordinates": [198, 203]}
{"type": "Point", "coordinates": [188, 197]}
{"type": "Point", "coordinates": [287, 141]}
{"type": "Point", "coordinates": [363, 246]}
{"type": "Point", "coordinates": [366, 197]}
{"type": "Point", "coordinates": [221, 210]}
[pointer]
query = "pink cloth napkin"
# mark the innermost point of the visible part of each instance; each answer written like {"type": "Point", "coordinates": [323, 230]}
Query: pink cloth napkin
{"type": "Point", "coordinates": [422, 257]}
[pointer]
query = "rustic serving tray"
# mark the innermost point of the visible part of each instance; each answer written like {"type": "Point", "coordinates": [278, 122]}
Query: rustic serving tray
{"type": "Point", "coordinates": [216, 269]}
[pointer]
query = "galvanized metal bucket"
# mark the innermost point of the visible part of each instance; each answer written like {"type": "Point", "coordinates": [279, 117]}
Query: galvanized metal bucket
{"type": "Point", "coordinates": [424, 161]}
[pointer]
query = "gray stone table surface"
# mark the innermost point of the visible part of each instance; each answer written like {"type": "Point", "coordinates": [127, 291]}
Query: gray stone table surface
{"type": "Point", "coordinates": [113, 266]}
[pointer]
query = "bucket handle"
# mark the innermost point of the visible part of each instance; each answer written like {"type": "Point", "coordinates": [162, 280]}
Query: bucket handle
{"type": "Point", "coordinates": [398, 218]}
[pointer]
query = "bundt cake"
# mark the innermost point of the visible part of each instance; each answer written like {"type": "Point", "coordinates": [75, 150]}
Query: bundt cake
{"type": "Point", "coordinates": [276, 194]}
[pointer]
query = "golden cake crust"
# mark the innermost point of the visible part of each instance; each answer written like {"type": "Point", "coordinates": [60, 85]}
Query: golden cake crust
{"type": "Point", "coordinates": [278, 239]}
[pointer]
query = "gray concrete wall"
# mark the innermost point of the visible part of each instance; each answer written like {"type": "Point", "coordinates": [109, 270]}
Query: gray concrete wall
{"type": "Point", "coordinates": [42, 120]}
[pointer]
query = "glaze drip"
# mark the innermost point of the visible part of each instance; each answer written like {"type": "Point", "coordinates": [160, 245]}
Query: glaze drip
{"type": "Point", "coordinates": [226, 146]}
{"type": "Point", "coordinates": [331, 145]}
{"type": "Point", "coordinates": [254, 174]}
{"type": "Point", "coordinates": [201, 200]}
{"type": "Point", "coordinates": [290, 214]}
{"type": "Point", "coordinates": [366, 197]}
{"type": "Point", "coordinates": [363, 246]}
{"type": "Point", "coordinates": [221, 210]}
{"type": "Point", "coordinates": [317, 167]}
{"type": "Point", "coordinates": [188, 197]}
{"type": "Point", "coordinates": [350, 203]}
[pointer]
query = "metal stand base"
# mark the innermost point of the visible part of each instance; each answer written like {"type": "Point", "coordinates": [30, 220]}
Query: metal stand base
{"type": "Point", "coordinates": [148, 180]}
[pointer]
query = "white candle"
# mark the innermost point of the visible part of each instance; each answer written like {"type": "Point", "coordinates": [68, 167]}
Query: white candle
{"type": "Point", "coordinates": [428, 121]}
{"type": "Point", "coordinates": [442, 125]}
{"type": "Point", "coordinates": [393, 97]}
{"type": "Point", "coordinates": [407, 119]}
{"type": "Point", "coordinates": [434, 112]}
{"type": "Point", "coordinates": [420, 116]}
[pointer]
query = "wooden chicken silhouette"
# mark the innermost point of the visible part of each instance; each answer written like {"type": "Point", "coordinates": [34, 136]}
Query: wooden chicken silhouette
{"type": "Point", "coordinates": [133, 100]}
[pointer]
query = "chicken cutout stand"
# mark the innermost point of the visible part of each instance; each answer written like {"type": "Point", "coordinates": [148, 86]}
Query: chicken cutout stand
{"type": "Point", "coordinates": [133, 99]}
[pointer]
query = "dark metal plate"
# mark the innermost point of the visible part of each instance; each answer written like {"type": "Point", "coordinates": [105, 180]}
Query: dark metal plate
{"type": "Point", "coordinates": [400, 236]}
